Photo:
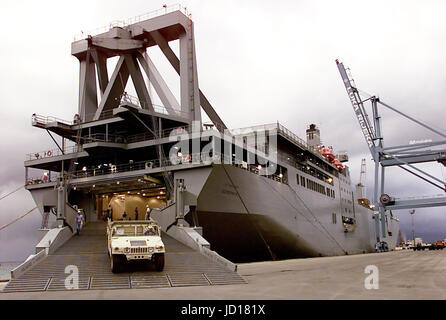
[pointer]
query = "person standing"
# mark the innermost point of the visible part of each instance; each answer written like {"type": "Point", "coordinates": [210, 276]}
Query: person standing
{"type": "Point", "coordinates": [148, 211]}
{"type": "Point", "coordinates": [136, 213]}
{"type": "Point", "coordinates": [124, 216]}
{"type": "Point", "coordinates": [79, 222]}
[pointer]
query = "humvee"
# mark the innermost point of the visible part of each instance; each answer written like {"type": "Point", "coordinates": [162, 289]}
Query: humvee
{"type": "Point", "coordinates": [134, 240]}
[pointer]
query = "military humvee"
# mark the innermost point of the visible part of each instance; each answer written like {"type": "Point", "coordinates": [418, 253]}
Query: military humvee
{"type": "Point", "coordinates": [134, 240]}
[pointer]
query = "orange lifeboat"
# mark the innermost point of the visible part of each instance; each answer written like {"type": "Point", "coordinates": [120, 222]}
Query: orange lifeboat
{"type": "Point", "coordinates": [328, 153]}
{"type": "Point", "coordinates": [338, 164]}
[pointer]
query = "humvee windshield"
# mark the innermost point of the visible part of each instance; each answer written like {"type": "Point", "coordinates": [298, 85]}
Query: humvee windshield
{"type": "Point", "coordinates": [135, 230]}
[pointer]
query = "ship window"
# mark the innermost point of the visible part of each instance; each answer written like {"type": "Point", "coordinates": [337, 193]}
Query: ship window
{"type": "Point", "coordinates": [302, 181]}
{"type": "Point", "coordinates": [297, 179]}
{"type": "Point", "coordinates": [333, 217]}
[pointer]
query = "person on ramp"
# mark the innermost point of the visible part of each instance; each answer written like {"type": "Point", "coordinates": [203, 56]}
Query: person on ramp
{"type": "Point", "coordinates": [79, 222]}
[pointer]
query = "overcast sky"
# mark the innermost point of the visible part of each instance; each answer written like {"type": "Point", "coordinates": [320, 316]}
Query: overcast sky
{"type": "Point", "coordinates": [258, 62]}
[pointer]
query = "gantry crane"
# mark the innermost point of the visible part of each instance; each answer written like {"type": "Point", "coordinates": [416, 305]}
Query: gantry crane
{"type": "Point", "coordinates": [360, 187]}
{"type": "Point", "coordinates": [403, 156]}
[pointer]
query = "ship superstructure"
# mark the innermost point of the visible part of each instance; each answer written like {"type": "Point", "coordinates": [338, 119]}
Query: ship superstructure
{"type": "Point", "coordinates": [255, 193]}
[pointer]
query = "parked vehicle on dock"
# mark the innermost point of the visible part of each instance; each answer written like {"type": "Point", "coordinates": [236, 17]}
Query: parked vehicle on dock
{"type": "Point", "coordinates": [439, 245]}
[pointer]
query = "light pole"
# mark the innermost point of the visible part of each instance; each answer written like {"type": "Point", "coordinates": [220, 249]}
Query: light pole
{"type": "Point", "coordinates": [412, 212]}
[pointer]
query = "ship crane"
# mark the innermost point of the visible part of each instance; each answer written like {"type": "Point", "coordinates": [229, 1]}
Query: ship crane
{"type": "Point", "coordinates": [403, 156]}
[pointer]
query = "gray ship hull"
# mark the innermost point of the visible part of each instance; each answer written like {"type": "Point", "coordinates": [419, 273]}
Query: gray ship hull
{"type": "Point", "coordinates": [247, 217]}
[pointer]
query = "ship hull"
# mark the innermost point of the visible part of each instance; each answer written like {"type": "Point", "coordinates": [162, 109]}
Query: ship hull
{"type": "Point", "coordinates": [247, 217]}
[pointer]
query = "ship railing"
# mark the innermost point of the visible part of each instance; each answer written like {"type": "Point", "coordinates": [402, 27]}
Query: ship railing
{"type": "Point", "coordinates": [43, 120]}
{"type": "Point", "coordinates": [107, 114]}
{"type": "Point", "coordinates": [102, 137]}
{"type": "Point", "coordinates": [163, 134]}
{"type": "Point", "coordinates": [53, 153]}
{"type": "Point", "coordinates": [49, 178]}
{"type": "Point", "coordinates": [198, 158]}
{"type": "Point", "coordinates": [124, 23]}
{"type": "Point", "coordinates": [110, 168]}
{"type": "Point", "coordinates": [37, 119]}
{"type": "Point", "coordinates": [271, 127]}
{"type": "Point", "coordinates": [127, 98]}
{"type": "Point", "coordinates": [292, 136]}
{"type": "Point", "coordinates": [251, 129]}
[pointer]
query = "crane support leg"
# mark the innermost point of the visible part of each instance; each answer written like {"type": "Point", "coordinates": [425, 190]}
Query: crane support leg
{"type": "Point", "coordinates": [375, 201]}
{"type": "Point", "coordinates": [381, 208]}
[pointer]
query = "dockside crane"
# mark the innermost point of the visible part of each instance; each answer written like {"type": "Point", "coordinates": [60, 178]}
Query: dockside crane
{"type": "Point", "coordinates": [360, 187]}
{"type": "Point", "coordinates": [403, 156]}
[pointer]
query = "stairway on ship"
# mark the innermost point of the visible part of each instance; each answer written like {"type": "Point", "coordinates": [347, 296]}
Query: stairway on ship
{"type": "Point", "coordinates": [183, 267]}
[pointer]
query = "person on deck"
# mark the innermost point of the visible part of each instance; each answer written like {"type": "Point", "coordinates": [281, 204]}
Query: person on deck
{"type": "Point", "coordinates": [148, 211]}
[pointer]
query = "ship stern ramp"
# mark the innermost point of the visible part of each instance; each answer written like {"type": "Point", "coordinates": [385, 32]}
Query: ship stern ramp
{"type": "Point", "coordinates": [185, 266]}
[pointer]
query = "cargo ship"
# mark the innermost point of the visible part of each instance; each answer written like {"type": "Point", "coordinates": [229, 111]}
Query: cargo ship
{"type": "Point", "coordinates": [257, 193]}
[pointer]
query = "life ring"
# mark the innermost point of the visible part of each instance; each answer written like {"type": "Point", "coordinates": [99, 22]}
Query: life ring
{"type": "Point", "coordinates": [49, 153]}
{"type": "Point", "coordinates": [187, 158]}
{"type": "Point", "coordinates": [45, 178]}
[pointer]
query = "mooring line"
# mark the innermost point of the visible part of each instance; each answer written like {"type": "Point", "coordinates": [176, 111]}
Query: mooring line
{"type": "Point", "coordinates": [273, 256]}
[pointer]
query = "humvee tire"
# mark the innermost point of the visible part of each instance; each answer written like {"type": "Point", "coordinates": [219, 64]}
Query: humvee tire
{"type": "Point", "coordinates": [159, 261]}
{"type": "Point", "coordinates": [116, 263]}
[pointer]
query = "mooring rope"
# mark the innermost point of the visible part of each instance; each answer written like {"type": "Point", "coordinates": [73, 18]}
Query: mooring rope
{"type": "Point", "coordinates": [273, 256]}
{"type": "Point", "coordinates": [12, 192]}
{"type": "Point", "coordinates": [17, 219]}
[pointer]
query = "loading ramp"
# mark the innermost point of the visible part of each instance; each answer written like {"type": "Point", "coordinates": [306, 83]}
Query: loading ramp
{"type": "Point", "coordinates": [184, 267]}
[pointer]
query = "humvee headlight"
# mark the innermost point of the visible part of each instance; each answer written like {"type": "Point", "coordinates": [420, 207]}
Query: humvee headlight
{"type": "Point", "coordinates": [159, 248]}
{"type": "Point", "coordinates": [127, 250]}
{"type": "Point", "coordinates": [150, 249]}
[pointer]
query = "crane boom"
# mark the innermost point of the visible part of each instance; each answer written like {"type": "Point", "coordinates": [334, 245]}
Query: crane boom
{"type": "Point", "coordinates": [358, 107]}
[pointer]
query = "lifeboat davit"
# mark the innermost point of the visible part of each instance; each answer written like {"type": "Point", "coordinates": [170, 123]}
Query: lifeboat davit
{"type": "Point", "coordinates": [328, 153]}
{"type": "Point", "coordinates": [338, 164]}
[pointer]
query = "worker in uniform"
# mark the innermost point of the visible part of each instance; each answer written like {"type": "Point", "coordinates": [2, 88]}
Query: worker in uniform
{"type": "Point", "coordinates": [79, 222]}
{"type": "Point", "coordinates": [136, 213]}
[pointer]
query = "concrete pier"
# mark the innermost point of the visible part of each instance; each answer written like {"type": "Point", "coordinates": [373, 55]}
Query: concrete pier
{"type": "Point", "coordinates": [402, 275]}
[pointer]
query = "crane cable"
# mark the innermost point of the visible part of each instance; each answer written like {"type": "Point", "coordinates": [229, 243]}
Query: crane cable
{"type": "Point", "coordinates": [17, 219]}
{"type": "Point", "coordinates": [12, 192]}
